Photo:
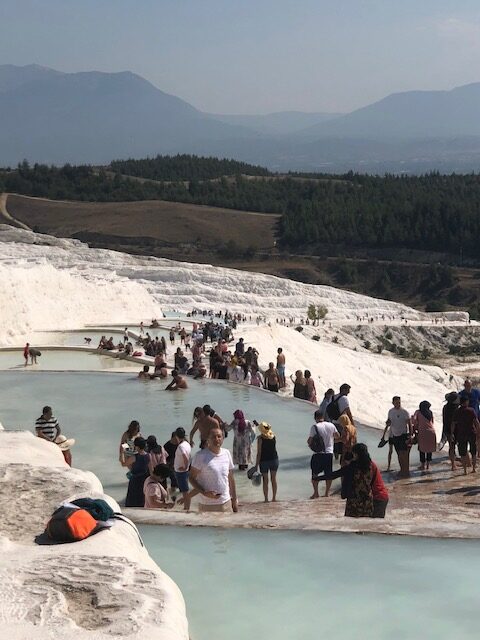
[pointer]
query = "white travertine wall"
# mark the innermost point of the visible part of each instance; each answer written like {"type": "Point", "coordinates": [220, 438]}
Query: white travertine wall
{"type": "Point", "coordinates": [53, 283]}
{"type": "Point", "coordinates": [104, 587]}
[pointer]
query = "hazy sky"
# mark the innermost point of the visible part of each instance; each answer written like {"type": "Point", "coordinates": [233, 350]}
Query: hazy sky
{"type": "Point", "coordinates": [255, 56]}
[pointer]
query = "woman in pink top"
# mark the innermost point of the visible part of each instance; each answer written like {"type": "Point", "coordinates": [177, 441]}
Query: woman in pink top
{"type": "Point", "coordinates": [427, 438]}
{"type": "Point", "coordinates": [157, 453]}
{"type": "Point", "coordinates": [256, 379]}
{"type": "Point", "coordinates": [156, 496]}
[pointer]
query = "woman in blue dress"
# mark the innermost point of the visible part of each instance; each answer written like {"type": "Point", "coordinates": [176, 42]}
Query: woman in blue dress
{"type": "Point", "coordinates": [138, 474]}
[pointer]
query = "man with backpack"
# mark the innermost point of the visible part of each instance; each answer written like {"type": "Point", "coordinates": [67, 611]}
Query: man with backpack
{"type": "Point", "coordinates": [337, 407]}
{"type": "Point", "coordinates": [321, 441]}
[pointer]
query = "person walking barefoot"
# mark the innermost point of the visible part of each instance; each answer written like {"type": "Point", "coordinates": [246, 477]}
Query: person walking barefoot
{"type": "Point", "coordinates": [267, 459]}
{"type": "Point", "coordinates": [427, 439]}
{"type": "Point", "coordinates": [466, 429]}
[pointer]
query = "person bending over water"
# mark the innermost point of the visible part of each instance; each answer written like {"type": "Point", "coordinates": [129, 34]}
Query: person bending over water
{"type": "Point", "coordinates": [362, 485]}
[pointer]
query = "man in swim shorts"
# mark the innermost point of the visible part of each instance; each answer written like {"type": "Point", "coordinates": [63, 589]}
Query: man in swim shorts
{"type": "Point", "coordinates": [281, 367]}
{"type": "Point", "coordinates": [271, 378]}
{"type": "Point", "coordinates": [204, 423]}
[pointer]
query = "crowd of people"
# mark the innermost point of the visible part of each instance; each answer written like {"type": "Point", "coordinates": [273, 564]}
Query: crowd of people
{"type": "Point", "coordinates": [158, 473]}
{"type": "Point", "coordinates": [161, 475]}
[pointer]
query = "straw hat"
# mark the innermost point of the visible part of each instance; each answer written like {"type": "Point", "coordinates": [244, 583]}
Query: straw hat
{"type": "Point", "coordinates": [266, 430]}
{"type": "Point", "coordinates": [65, 443]}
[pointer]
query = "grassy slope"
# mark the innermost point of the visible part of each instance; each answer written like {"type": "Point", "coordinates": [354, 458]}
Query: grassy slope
{"type": "Point", "coordinates": [194, 233]}
{"type": "Point", "coordinates": [168, 222]}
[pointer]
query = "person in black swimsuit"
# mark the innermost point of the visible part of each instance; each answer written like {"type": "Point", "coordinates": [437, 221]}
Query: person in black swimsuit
{"type": "Point", "coordinates": [267, 458]}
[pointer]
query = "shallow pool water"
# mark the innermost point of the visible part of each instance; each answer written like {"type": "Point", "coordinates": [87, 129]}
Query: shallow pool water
{"type": "Point", "coordinates": [77, 338]}
{"type": "Point", "coordinates": [63, 361]}
{"type": "Point", "coordinates": [286, 585]}
{"type": "Point", "coordinates": [95, 408]}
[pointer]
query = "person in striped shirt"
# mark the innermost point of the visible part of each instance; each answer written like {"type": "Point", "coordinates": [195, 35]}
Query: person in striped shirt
{"type": "Point", "coordinates": [47, 426]}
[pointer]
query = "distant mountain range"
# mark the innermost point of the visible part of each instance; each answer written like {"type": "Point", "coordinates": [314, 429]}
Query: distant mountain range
{"type": "Point", "coordinates": [282, 122]}
{"type": "Point", "coordinates": [92, 117]}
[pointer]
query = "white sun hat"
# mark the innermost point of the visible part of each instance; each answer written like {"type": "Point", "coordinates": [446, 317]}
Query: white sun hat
{"type": "Point", "coordinates": [64, 443]}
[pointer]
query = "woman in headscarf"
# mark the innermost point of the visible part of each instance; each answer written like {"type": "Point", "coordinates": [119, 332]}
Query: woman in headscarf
{"type": "Point", "coordinates": [362, 485]}
{"type": "Point", "coordinates": [427, 438]}
{"type": "Point", "coordinates": [243, 437]}
{"type": "Point", "coordinates": [349, 438]}
{"type": "Point", "coordinates": [267, 458]}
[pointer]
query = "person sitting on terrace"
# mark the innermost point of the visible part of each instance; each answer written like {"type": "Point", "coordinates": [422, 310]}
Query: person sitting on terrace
{"type": "Point", "coordinates": [156, 496]}
{"type": "Point", "coordinates": [109, 344]}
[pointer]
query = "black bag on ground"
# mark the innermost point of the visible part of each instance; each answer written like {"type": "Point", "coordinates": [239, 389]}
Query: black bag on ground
{"type": "Point", "coordinates": [317, 445]}
{"type": "Point", "coordinates": [70, 524]}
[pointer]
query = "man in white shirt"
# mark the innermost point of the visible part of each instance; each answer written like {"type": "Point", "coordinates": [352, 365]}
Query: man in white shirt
{"type": "Point", "coordinates": [211, 474]}
{"type": "Point", "coordinates": [322, 461]}
{"type": "Point", "coordinates": [181, 465]}
{"type": "Point", "coordinates": [400, 424]}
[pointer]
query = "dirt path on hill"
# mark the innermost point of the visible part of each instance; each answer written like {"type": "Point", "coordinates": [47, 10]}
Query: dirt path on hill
{"type": "Point", "coordinates": [6, 217]}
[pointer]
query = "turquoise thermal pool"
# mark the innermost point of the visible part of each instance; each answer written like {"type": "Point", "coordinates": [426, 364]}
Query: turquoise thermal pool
{"type": "Point", "coordinates": [63, 361]}
{"type": "Point", "coordinates": [285, 585]}
{"type": "Point", "coordinates": [95, 409]}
